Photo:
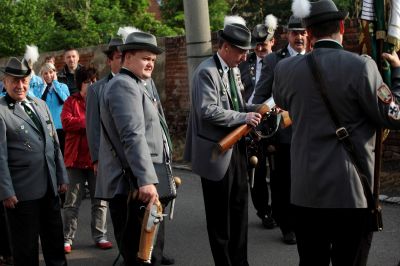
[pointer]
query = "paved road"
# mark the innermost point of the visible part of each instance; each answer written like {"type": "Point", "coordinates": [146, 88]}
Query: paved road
{"type": "Point", "coordinates": [187, 241]}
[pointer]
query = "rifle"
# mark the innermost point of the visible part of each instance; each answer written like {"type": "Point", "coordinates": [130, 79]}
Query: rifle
{"type": "Point", "coordinates": [148, 235]}
{"type": "Point", "coordinates": [266, 108]}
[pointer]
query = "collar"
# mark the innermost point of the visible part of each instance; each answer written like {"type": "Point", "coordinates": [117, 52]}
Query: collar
{"type": "Point", "coordinates": [224, 66]}
{"type": "Point", "coordinates": [259, 59]}
{"type": "Point", "coordinates": [327, 43]}
{"type": "Point", "coordinates": [293, 52]}
{"type": "Point", "coordinates": [11, 102]}
{"type": "Point", "coordinates": [126, 71]}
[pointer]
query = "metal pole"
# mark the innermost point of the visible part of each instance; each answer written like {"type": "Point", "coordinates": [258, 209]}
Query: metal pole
{"type": "Point", "coordinates": [198, 35]}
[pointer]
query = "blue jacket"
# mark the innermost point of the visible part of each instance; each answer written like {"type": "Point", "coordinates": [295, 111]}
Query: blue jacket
{"type": "Point", "coordinates": [55, 99]}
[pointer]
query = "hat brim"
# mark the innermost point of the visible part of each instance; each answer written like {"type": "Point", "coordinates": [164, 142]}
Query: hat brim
{"type": "Point", "coordinates": [15, 72]}
{"type": "Point", "coordinates": [325, 17]}
{"type": "Point", "coordinates": [141, 46]}
{"type": "Point", "coordinates": [232, 42]}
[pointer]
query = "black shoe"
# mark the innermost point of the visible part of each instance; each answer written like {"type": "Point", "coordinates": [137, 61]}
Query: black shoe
{"type": "Point", "coordinates": [268, 222]}
{"type": "Point", "coordinates": [165, 260]}
{"type": "Point", "coordinates": [289, 238]}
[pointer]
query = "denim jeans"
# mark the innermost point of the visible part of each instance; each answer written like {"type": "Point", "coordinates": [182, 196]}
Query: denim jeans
{"type": "Point", "coordinates": [73, 199]}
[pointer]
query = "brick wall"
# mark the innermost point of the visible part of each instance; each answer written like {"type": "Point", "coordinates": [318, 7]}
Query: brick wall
{"type": "Point", "coordinates": [171, 78]}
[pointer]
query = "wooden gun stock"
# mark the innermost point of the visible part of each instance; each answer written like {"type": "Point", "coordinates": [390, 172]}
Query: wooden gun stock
{"type": "Point", "coordinates": [148, 234]}
{"type": "Point", "coordinates": [228, 141]}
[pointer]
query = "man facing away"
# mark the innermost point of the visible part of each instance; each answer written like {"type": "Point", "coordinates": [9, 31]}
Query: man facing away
{"type": "Point", "coordinates": [330, 208]}
{"type": "Point", "coordinates": [32, 171]}
{"type": "Point", "coordinates": [217, 109]}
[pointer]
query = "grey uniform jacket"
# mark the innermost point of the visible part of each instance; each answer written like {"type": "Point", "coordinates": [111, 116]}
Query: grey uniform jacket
{"type": "Point", "coordinates": [211, 118]}
{"type": "Point", "coordinates": [322, 174]}
{"type": "Point", "coordinates": [29, 160]}
{"type": "Point", "coordinates": [132, 123]}
{"type": "Point", "coordinates": [93, 97]}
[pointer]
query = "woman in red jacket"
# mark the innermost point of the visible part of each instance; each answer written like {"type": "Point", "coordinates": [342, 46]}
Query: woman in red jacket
{"type": "Point", "coordinates": [79, 165]}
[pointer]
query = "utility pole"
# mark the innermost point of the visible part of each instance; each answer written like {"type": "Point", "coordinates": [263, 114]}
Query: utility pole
{"type": "Point", "coordinates": [198, 35]}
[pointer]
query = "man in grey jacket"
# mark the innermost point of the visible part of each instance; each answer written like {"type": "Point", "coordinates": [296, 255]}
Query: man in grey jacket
{"type": "Point", "coordinates": [32, 171]}
{"type": "Point", "coordinates": [217, 109]}
{"type": "Point", "coordinates": [330, 208]}
{"type": "Point", "coordinates": [133, 132]}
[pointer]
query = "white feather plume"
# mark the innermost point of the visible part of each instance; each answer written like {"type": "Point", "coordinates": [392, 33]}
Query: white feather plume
{"type": "Point", "coordinates": [125, 31]}
{"type": "Point", "coordinates": [234, 20]}
{"type": "Point", "coordinates": [31, 54]}
{"type": "Point", "coordinates": [271, 22]}
{"type": "Point", "coordinates": [301, 8]}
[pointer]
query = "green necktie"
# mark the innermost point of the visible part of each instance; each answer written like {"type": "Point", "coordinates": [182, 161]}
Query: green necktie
{"type": "Point", "coordinates": [232, 86]}
{"type": "Point", "coordinates": [32, 116]}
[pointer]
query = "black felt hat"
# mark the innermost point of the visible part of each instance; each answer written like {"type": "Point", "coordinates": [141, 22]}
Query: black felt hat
{"type": "Point", "coordinates": [261, 33]}
{"type": "Point", "coordinates": [16, 68]}
{"type": "Point", "coordinates": [236, 34]}
{"type": "Point", "coordinates": [323, 11]}
{"type": "Point", "coordinates": [113, 45]}
{"type": "Point", "coordinates": [141, 41]}
{"type": "Point", "coordinates": [295, 23]}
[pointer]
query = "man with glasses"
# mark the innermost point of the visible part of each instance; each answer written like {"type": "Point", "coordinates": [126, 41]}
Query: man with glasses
{"type": "Point", "coordinates": [217, 109]}
{"type": "Point", "coordinates": [250, 70]}
{"type": "Point", "coordinates": [280, 150]}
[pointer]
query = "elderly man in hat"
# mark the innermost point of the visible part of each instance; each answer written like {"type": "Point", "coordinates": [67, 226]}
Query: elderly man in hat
{"type": "Point", "coordinates": [279, 150]}
{"type": "Point", "coordinates": [217, 109]}
{"type": "Point", "coordinates": [250, 70]}
{"type": "Point", "coordinates": [32, 171]}
{"type": "Point", "coordinates": [330, 204]}
{"type": "Point", "coordinates": [131, 127]}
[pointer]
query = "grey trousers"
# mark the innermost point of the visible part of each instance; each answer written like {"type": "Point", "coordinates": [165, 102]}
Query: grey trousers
{"type": "Point", "coordinates": [73, 199]}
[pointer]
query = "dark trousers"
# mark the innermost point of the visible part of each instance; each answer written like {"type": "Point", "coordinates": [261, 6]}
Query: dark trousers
{"type": "Point", "coordinates": [226, 204]}
{"type": "Point", "coordinates": [332, 235]}
{"type": "Point", "coordinates": [31, 219]}
{"type": "Point", "coordinates": [127, 222]}
{"type": "Point", "coordinates": [280, 187]}
{"type": "Point", "coordinates": [5, 248]}
{"type": "Point", "coordinates": [260, 190]}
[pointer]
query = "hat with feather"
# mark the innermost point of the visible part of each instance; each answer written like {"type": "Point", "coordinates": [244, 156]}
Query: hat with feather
{"type": "Point", "coordinates": [236, 33]}
{"type": "Point", "coordinates": [317, 12]}
{"type": "Point", "coordinates": [263, 32]}
{"type": "Point", "coordinates": [135, 39]}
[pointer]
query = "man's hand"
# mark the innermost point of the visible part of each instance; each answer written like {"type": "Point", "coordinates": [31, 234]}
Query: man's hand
{"type": "Point", "coordinates": [62, 188]}
{"type": "Point", "coordinates": [253, 119]}
{"type": "Point", "coordinates": [95, 167]}
{"type": "Point", "coordinates": [10, 202]}
{"type": "Point", "coordinates": [393, 59]}
{"type": "Point", "coordinates": [148, 194]}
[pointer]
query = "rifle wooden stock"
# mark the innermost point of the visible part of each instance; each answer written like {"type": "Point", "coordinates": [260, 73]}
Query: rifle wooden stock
{"type": "Point", "coordinates": [228, 141]}
{"type": "Point", "coordinates": [148, 234]}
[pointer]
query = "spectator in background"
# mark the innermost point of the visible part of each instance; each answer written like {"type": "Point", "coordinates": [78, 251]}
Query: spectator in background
{"type": "Point", "coordinates": [50, 59]}
{"type": "Point", "coordinates": [66, 74]}
{"type": "Point", "coordinates": [54, 94]}
{"type": "Point", "coordinates": [79, 165]}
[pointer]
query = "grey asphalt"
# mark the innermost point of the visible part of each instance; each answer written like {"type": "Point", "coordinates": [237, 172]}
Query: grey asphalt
{"type": "Point", "coordinates": [187, 241]}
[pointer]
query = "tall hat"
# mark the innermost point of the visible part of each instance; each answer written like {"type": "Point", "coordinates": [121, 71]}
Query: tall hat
{"type": "Point", "coordinates": [317, 12]}
{"type": "Point", "coordinates": [263, 32]}
{"type": "Point", "coordinates": [16, 68]}
{"type": "Point", "coordinates": [295, 23]}
{"type": "Point", "coordinates": [138, 40]}
{"type": "Point", "coordinates": [113, 45]}
{"type": "Point", "coordinates": [236, 33]}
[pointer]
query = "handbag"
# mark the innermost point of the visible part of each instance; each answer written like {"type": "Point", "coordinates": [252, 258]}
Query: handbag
{"type": "Point", "coordinates": [374, 222]}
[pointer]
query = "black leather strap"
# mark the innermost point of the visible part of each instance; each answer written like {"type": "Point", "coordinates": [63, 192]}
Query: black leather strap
{"type": "Point", "coordinates": [341, 132]}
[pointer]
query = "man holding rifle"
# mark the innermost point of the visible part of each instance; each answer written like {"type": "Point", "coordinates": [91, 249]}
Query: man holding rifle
{"type": "Point", "coordinates": [336, 100]}
{"type": "Point", "coordinates": [217, 109]}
